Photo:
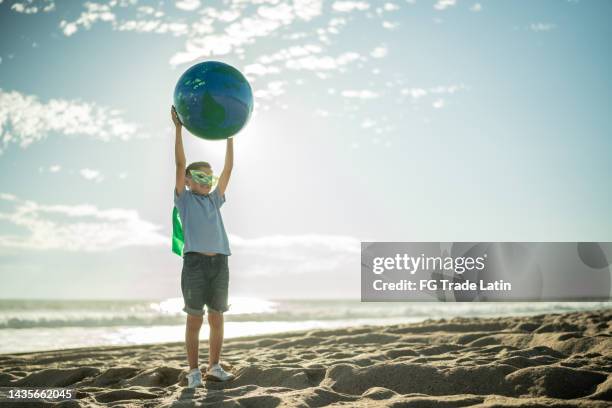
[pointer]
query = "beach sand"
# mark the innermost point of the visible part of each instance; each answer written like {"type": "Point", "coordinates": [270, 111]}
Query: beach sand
{"type": "Point", "coordinates": [553, 360]}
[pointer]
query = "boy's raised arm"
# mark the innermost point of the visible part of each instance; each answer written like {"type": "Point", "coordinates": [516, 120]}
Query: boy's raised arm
{"type": "Point", "coordinates": [179, 153]}
{"type": "Point", "coordinates": [227, 167]}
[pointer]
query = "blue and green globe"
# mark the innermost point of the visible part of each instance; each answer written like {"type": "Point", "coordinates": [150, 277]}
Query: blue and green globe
{"type": "Point", "coordinates": [213, 100]}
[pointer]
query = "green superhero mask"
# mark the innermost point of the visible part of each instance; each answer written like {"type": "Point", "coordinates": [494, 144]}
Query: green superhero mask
{"type": "Point", "coordinates": [201, 177]}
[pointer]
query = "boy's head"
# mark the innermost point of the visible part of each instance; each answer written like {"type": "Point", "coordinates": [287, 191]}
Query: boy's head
{"type": "Point", "coordinates": [199, 177]}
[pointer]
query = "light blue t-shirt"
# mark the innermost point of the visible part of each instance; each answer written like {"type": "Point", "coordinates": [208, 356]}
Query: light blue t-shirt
{"type": "Point", "coordinates": [203, 228]}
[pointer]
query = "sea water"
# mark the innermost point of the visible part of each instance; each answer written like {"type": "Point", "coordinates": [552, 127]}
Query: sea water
{"type": "Point", "coordinates": [36, 325]}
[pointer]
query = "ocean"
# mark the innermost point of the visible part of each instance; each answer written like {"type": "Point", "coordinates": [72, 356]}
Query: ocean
{"type": "Point", "coordinates": [36, 325]}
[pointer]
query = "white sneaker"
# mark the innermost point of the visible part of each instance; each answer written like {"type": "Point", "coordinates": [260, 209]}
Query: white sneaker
{"type": "Point", "coordinates": [217, 373]}
{"type": "Point", "coordinates": [194, 378]}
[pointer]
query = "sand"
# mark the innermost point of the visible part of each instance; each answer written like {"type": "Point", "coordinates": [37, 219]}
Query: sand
{"type": "Point", "coordinates": [554, 360]}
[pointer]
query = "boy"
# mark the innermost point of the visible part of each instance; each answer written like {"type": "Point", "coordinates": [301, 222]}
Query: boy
{"type": "Point", "coordinates": [205, 273]}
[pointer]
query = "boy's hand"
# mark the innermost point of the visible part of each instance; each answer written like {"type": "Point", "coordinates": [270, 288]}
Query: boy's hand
{"type": "Point", "coordinates": [175, 118]}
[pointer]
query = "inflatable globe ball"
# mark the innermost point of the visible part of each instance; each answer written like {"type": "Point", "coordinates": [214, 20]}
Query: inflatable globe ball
{"type": "Point", "coordinates": [213, 100]}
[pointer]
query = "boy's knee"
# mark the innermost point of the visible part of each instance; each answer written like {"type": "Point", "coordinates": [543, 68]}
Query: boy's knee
{"type": "Point", "coordinates": [194, 321]}
{"type": "Point", "coordinates": [215, 319]}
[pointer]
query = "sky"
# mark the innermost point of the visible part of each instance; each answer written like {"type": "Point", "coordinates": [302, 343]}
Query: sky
{"type": "Point", "coordinates": [373, 121]}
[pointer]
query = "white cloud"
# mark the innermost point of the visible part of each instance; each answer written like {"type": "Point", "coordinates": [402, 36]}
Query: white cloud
{"type": "Point", "coordinates": [444, 4]}
{"type": "Point", "coordinates": [417, 93]}
{"type": "Point", "coordinates": [537, 27]}
{"type": "Point", "coordinates": [76, 227]}
{"type": "Point", "coordinates": [282, 12]}
{"type": "Point", "coordinates": [438, 103]}
{"type": "Point", "coordinates": [451, 89]}
{"type": "Point", "coordinates": [390, 25]}
{"type": "Point", "coordinates": [187, 5]}
{"type": "Point", "coordinates": [476, 7]}
{"type": "Point", "coordinates": [27, 7]}
{"type": "Point", "coordinates": [87, 228]}
{"type": "Point", "coordinates": [153, 26]}
{"type": "Point", "coordinates": [368, 123]}
{"type": "Point", "coordinates": [379, 52]}
{"type": "Point", "coordinates": [297, 254]}
{"type": "Point", "coordinates": [363, 94]}
{"type": "Point", "coordinates": [334, 23]}
{"type": "Point", "coordinates": [278, 242]}
{"type": "Point", "coordinates": [90, 174]}
{"type": "Point", "coordinates": [260, 69]}
{"type": "Point", "coordinates": [204, 41]}
{"type": "Point", "coordinates": [68, 28]}
{"type": "Point", "coordinates": [322, 113]}
{"type": "Point", "coordinates": [150, 11]}
{"type": "Point", "coordinates": [273, 89]}
{"type": "Point", "coordinates": [348, 6]}
{"type": "Point", "coordinates": [55, 168]}
{"type": "Point", "coordinates": [215, 31]}
{"type": "Point", "coordinates": [315, 63]}
{"type": "Point", "coordinates": [291, 52]}
{"type": "Point", "coordinates": [224, 15]}
{"type": "Point", "coordinates": [307, 9]}
{"type": "Point", "coordinates": [24, 119]}
{"type": "Point", "coordinates": [94, 12]}
{"type": "Point", "coordinates": [8, 197]}
{"type": "Point", "coordinates": [391, 7]}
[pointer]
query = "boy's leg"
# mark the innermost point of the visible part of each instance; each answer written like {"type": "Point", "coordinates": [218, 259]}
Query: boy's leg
{"type": "Point", "coordinates": [192, 339]}
{"type": "Point", "coordinates": [217, 305]}
{"type": "Point", "coordinates": [215, 338]}
{"type": "Point", "coordinates": [193, 288]}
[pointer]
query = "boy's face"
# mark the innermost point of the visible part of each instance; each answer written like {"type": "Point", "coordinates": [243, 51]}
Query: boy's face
{"type": "Point", "coordinates": [197, 187]}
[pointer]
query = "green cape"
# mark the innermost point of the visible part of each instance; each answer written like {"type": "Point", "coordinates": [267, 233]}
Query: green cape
{"type": "Point", "coordinates": [178, 241]}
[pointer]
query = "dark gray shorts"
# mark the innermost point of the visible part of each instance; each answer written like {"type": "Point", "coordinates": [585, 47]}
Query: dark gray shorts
{"type": "Point", "coordinates": [204, 281]}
